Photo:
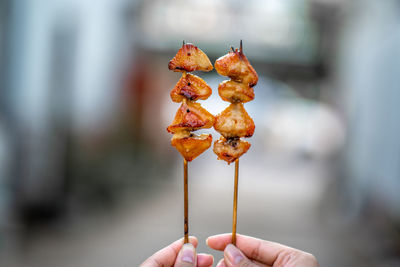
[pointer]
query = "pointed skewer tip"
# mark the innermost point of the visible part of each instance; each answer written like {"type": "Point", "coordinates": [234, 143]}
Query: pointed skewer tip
{"type": "Point", "coordinates": [183, 43]}
{"type": "Point", "coordinates": [241, 46]}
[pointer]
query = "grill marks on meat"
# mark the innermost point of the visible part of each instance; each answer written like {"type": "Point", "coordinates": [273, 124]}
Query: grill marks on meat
{"type": "Point", "coordinates": [191, 116]}
{"type": "Point", "coordinates": [190, 87]}
{"type": "Point", "coordinates": [230, 149]}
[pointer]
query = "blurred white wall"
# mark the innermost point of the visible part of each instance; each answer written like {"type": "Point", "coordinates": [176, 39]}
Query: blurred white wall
{"type": "Point", "coordinates": [369, 71]}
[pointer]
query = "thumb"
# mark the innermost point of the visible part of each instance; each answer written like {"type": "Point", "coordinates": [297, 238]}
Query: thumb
{"type": "Point", "coordinates": [235, 258]}
{"type": "Point", "coordinates": [186, 256]}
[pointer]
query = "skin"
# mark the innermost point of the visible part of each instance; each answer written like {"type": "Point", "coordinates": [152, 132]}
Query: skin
{"type": "Point", "coordinates": [250, 251]}
{"type": "Point", "coordinates": [174, 255]}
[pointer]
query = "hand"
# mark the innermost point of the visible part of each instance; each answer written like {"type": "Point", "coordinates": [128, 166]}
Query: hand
{"type": "Point", "coordinates": [251, 251]}
{"type": "Point", "coordinates": [179, 255]}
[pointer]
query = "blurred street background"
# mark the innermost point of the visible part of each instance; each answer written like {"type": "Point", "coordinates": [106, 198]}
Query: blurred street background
{"type": "Point", "coordinates": [87, 173]}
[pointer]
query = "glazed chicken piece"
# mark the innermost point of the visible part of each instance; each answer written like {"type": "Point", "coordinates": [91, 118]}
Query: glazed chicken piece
{"type": "Point", "coordinates": [230, 149]}
{"type": "Point", "coordinates": [236, 66]}
{"type": "Point", "coordinates": [233, 92]}
{"type": "Point", "coordinates": [190, 58]}
{"type": "Point", "coordinates": [190, 117]}
{"type": "Point", "coordinates": [190, 145]}
{"type": "Point", "coordinates": [234, 122]}
{"type": "Point", "coordinates": [190, 87]}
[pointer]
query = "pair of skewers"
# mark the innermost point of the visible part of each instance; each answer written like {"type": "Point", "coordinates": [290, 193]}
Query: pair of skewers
{"type": "Point", "coordinates": [233, 123]}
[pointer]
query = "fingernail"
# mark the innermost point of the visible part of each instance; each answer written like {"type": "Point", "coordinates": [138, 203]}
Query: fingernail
{"type": "Point", "coordinates": [188, 253]}
{"type": "Point", "coordinates": [234, 254]}
{"type": "Point", "coordinates": [207, 241]}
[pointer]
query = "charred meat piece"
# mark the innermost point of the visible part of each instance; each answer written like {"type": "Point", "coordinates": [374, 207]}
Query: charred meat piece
{"type": "Point", "coordinates": [230, 149]}
{"type": "Point", "coordinates": [236, 66]}
{"type": "Point", "coordinates": [190, 87]}
{"type": "Point", "coordinates": [190, 117]}
{"type": "Point", "coordinates": [234, 122]}
{"type": "Point", "coordinates": [190, 58]}
{"type": "Point", "coordinates": [234, 92]}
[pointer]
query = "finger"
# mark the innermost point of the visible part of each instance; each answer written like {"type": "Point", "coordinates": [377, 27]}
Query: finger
{"type": "Point", "coordinates": [204, 260]}
{"type": "Point", "coordinates": [235, 258]}
{"type": "Point", "coordinates": [221, 263]}
{"type": "Point", "coordinates": [260, 264]}
{"type": "Point", "coordinates": [257, 263]}
{"type": "Point", "coordinates": [167, 255]}
{"type": "Point", "coordinates": [265, 252]}
{"type": "Point", "coordinates": [186, 257]}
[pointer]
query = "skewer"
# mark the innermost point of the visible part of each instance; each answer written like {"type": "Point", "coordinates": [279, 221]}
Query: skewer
{"type": "Point", "coordinates": [235, 193]}
{"type": "Point", "coordinates": [230, 146]}
{"type": "Point", "coordinates": [186, 202]}
{"type": "Point", "coordinates": [190, 58]}
{"type": "Point", "coordinates": [235, 199]}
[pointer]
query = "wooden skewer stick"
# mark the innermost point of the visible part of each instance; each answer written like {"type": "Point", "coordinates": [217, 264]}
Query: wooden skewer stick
{"type": "Point", "coordinates": [186, 202]}
{"type": "Point", "coordinates": [235, 199]}
{"type": "Point", "coordinates": [235, 193]}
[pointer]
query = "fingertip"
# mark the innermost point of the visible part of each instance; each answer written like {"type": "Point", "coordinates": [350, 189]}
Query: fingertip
{"type": "Point", "coordinates": [193, 240]}
{"type": "Point", "coordinates": [218, 242]}
{"type": "Point", "coordinates": [177, 245]}
{"type": "Point", "coordinates": [204, 260]}
{"type": "Point", "coordinates": [221, 263]}
{"type": "Point", "coordinates": [220, 235]}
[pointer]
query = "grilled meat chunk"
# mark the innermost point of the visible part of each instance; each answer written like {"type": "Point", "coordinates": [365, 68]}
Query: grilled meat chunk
{"type": "Point", "coordinates": [230, 149]}
{"type": "Point", "coordinates": [190, 145]}
{"type": "Point", "coordinates": [190, 117]}
{"type": "Point", "coordinates": [234, 122]}
{"type": "Point", "coordinates": [190, 87]}
{"type": "Point", "coordinates": [234, 92]}
{"type": "Point", "coordinates": [190, 58]}
{"type": "Point", "coordinates": [236, 66]}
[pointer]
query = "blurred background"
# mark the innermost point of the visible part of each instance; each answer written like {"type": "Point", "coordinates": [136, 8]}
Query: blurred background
{"type": "Point", "coordinates": [87, 173]}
